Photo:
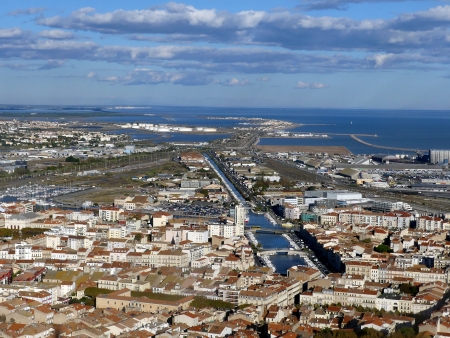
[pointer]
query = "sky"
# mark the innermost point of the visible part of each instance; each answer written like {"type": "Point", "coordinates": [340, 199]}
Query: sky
{"type": "Point", "coordinates": [371, 54]}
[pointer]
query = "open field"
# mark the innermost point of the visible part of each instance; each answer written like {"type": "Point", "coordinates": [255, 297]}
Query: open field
{"type": "Point", "coordinates": [306, 149]}
{"type": "Point", "coordinates": [102, 196]}
{"type": "Point", "coordinates": [290, 172]}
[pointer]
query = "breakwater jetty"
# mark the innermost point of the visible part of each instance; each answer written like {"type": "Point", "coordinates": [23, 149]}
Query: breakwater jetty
{"type": "Point", "coordinates": [356, 138]}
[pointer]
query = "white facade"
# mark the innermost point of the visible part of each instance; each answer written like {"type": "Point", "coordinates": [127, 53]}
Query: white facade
{"type": "Point", "coordinates": [239, 219]}
{"type": "Point", "coordinates": [109, 214]}
{"type": "Point", "coordinates": [223, 230]}
{"type": "Point", "coordinates": [23, 251]}
{"type": "Point", "coordinates": [344, 196]}
{"type": "Point", "coordinates": [291, 211]}
{"type": "Point", "coordinates": [197, 236]}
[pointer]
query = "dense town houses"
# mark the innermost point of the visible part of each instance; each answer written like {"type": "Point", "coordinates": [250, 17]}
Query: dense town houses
{"type": "Point", "coordinates": [152, 271]}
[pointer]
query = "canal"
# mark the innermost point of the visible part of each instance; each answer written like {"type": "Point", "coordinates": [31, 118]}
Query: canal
{"type": "Point", "coordinates": [268, 241]}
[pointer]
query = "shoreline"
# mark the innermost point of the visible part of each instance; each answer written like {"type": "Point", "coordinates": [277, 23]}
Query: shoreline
{"type": "Point", "coordinates": [341, 150]}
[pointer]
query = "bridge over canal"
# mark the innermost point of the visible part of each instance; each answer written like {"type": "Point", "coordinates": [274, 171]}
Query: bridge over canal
{"type": "Point", "coordinates": [281, 251]}
{"type": "Point", "coordinates": [270, 231]}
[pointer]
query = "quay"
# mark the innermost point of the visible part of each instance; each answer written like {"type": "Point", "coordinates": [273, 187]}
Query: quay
{"type": "Point", "coordinates": [356, 138]}
{"type": "Point", "coordinates": [291, 242]}
{"type": "Point", "coordinates": [270, 218]}
{"type": "Point", "coordinates": [268, 262]}
{"type": "Point", "coordinates": [315, 135]}
{"type": "Point", "coordinates": [225, 181]}
{"type": "Point", "coordinates": [251, 238]}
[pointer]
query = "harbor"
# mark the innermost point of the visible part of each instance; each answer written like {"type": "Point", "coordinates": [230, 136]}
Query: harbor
{"type": "Point", "coordinates": [251, 237]}
{"type": "Point", "coordinates": [292, 243]}
{"type": "Point", "coordinates": [40, 194]}
{"type": "Point", "coordinates": [270, 218]}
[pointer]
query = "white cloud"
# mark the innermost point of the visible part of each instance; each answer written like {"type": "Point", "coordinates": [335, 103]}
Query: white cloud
{"type": "Point", "coordinates": [282, 28]}
{"type": "Point", "coordinates": [235, 82]}
{"type": "Point", "coordinates": [317, 85]}
{"type": "Point", "coordinates": [143, 76]}
{"type": "Point", "coordinates": [8, 33]}
{"type": "Point", "coordinates": [386, 44]}
{"type": "Point", "coordinates": [302, 85]}
{"type": "Point", "coordinates": [56, 34]}
{"type": "Point", "coordinates": [110, 79]}
{"type": "Point", "coordinates": [305, 85]}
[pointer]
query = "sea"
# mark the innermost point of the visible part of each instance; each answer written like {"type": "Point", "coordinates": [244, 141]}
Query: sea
{"type": "Point", "coordinates": [413, 129]}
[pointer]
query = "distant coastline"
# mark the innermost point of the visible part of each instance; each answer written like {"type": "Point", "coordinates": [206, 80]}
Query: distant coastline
{"type": "Point", "coordinates": [404, 129]}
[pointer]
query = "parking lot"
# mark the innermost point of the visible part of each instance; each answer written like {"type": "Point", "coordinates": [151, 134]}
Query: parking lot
{"type": "Point", "coordinates": [209, 210]}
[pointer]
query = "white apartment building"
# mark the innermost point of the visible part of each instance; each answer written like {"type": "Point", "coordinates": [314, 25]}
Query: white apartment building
{"type": "Point", "coordinates": [109, 214]}
{"type": "Point", "coordinates": [291, 211]}
{"type": "Point", "coordinates": [197, 236]}
{"type": "Point", "coordinates": [223, 230]}
{"type": "Point", "coordinates": [240, 214]}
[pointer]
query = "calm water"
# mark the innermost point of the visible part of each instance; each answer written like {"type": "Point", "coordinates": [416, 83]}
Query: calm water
{"type": "Point", "coordinates": [400, 128]}
{"type": "Point", "coordinates": [284, 262]}
{"type": "Point", "coordinates": [272, 241]}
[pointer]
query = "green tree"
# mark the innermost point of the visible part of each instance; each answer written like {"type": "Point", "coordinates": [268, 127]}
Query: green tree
{"type": "Point", "coordinates": [21, 171]}
{"type": "Point", "coordinates": [325, 333]}
{"type": "Point", "coordinates": [72, 159]}
{"type": "Point", "coordinates": [204, 192]}
{"type": "Point", "coordinates": [260, 185]}
{"type": "Point", "coordinates": [93, 292]}
{"type": "Point", "coordinates": [404, 332]}
{"type": "Point", "coordinates": [408, 288]}
{"type": "Point", "coordinates": [328, 333]}
{"type": "Point", "coordinates": [344, 334]}
{"type": "Point", "coordinates": [370, 333]}
{"type": "Point", "coordinates": [202, 302]}
{"type": "Point", "coordinates": [382, 248]}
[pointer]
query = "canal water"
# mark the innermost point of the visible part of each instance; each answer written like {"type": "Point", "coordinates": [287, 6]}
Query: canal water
{"type": "Point", "coordinates": [268, 241]}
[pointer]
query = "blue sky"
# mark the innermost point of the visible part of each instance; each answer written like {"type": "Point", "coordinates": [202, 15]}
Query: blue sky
{"type": "Point", "coordinates": [288, 53]}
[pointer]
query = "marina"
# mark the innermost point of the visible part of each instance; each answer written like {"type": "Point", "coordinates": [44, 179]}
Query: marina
{"type": "Point", "coordinates": [40, 194]}
{"type": "Point", "coordinates": [294, 245]}
{"type": "Point", "coordinates": [251, 237]}
{"type": "Point", "coordinates": [270, 218]}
